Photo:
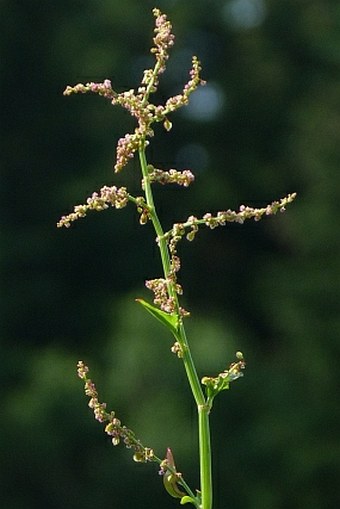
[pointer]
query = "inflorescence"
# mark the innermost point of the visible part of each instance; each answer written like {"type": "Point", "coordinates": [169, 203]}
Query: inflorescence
{"type": "Point", "coordinates": [146, 113]}
{"type": "Point", "coordinates": [222, 218]}
{"type": "Point", "coordinates": [182, 178]}
{"type": "Point", "coordinates": [165, 289]}
{"type": "Point", "coordinates": [137, 103]}
{"type": "Point", "coordinates": [114, 428]}
{"type": "Point", "coordinates": [108, 196]}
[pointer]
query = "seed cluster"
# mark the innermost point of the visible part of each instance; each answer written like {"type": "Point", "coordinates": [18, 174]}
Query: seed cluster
{"type": "Point", "coordinates": [114, 428]}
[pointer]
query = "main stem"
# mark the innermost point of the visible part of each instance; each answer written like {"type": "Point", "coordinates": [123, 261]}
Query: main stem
{"type": "Point", "coordinates": [202, 407]}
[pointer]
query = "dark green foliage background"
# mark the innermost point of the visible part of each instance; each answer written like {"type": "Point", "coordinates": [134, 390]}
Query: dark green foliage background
{"type": "Point", "coordinates": [270, 289]}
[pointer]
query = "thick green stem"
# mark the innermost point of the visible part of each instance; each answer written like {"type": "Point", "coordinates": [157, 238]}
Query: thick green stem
{"type": "Point", "coordinates": [196, 388]}
{"type": "Point", "coordinates": [205, 456]}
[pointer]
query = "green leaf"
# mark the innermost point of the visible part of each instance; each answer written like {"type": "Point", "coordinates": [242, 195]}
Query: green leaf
{"type": "Point", "coordinates": [188, 500]}
{"type": "Point", "coordinates": [171, 485]}
{"type": "Point", "coordinates": [170, 321]}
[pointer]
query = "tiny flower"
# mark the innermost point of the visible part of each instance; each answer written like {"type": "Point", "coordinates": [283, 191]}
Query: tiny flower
{"type": "Point", "coordinates": [177, 349]}
{"type": "Point", "coordinates": [139, 457]}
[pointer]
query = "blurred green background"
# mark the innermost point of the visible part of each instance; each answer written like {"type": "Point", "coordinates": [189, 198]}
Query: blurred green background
{"type": "Point", "coordinates": [267, 123]}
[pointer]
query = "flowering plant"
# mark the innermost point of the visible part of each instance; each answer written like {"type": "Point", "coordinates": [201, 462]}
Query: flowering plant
{"type": "Point", "coordinates": [166, 307]}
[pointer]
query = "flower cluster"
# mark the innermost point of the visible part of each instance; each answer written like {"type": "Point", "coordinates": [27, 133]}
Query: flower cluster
{"type": "Point", "coordinates": [126, 148]}
{"type": "Point", "coordinates": [228, 375]}
{"type": "Point", "coordinates": [177, 349]}
{"type": "Point", "coordinates": [108, 196]}
{"type": "Point", "coordinates": [138, 103]}
{"type": "Point", "coordinates": [114, 428]}
{"type": "Point", "coordinates": [221, 218]}
{"type": "Point", "coordinates": [182, 178]}
{"type": "Point", "coordinates": [195, 79]}
{"type": "Point", "coordinates": [221, 382]}
{"type": "Point", "coordinates": [160, 288]}
{"type": "Point", "coordinates": [104, 89]}
{"type": "Point", "coordinates": [163, 40]}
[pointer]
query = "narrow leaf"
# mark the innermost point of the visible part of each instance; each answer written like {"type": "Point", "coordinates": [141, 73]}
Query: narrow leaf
{"type": "Point", "coordinates": [170, 321]}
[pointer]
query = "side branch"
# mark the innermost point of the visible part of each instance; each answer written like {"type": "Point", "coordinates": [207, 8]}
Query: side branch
{"type": "Point", "coordinates": [229, 216]}
{"type": "Point", "coordinates": [116, 197]}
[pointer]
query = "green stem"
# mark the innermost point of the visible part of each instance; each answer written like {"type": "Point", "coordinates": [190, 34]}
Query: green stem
{"type": "Point", "coordinates": [154, 217]}
{"type": "Point", "coordinates": [191, 369]}
{"type": "Point", "coordinates": [151, 83]}
{"type": "Point", "coordinates": [196, 388]}
{"type": "Point", "coordinates": [205, 456]}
